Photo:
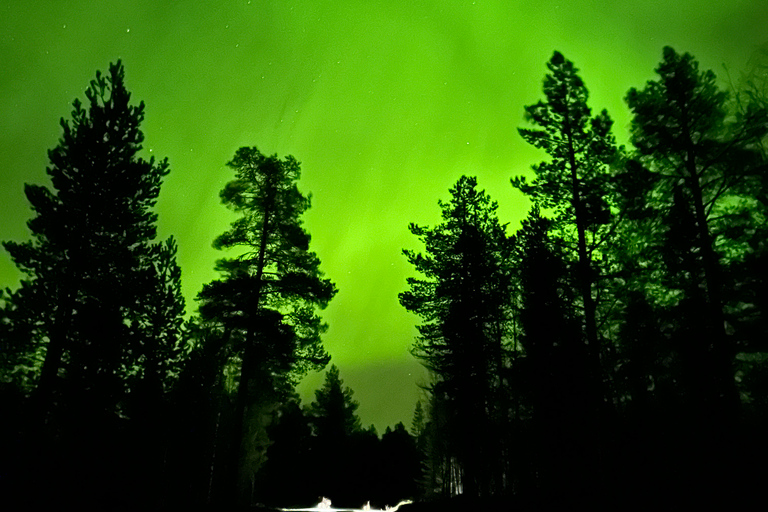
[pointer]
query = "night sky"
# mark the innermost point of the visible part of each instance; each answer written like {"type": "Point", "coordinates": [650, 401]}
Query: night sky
{"type": "Point", "coordinates": [385, 104]}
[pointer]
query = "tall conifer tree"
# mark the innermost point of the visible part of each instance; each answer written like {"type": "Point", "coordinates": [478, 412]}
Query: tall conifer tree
{"type": "Point", "coordinates": [705, 175]}
{"type": "Point", "coordinates": [266, 302]}
{"type": "Point", "coordinates": [92, 266]}
{"type": "Point", "coordinates": [464, 299]}
{"type": "Point", "coordinates": [94, 327]}
{"type": "Point", "coordinates": [573, 183]}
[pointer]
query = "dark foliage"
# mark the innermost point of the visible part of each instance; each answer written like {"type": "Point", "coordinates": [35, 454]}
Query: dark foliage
{"type": "Point", "coordinates": [611, 354]}
{"type": "Point", "coordinates": [322, 451]}
{"type": "Point", "coordinates": [464, 298]}
{"type": "Point", "coordinates": [264, 306]}
{"type": "Point", "coordinates": [92, 335]}
{"type": "Point", "coordinates": [638, 316]}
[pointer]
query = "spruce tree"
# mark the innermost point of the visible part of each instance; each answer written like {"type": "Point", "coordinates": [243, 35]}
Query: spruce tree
{"type": "Point", "coordinates": [333, 412]}
{"type": "Point", "coordinates": [464, 299]}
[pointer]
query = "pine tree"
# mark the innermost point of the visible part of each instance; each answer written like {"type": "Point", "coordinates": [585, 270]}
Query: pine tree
{"type": "Point", "coordinates": [705, 168]}
{"type": "Point", "coordinates": [94, 326]}
{"type": "Point", "coordinates": [157, 336]}
{"type": "Point", "coordinates": [265, 303]}
{"type": "Point", "coordinates": [573, 183]}
{"type": "Point", "coordinates": [701, 157]}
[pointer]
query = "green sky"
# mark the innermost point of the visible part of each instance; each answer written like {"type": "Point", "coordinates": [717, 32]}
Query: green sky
{"type": "Point", "coordinates": [385, 103]}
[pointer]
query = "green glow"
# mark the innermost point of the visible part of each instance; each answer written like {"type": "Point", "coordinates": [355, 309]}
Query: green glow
{"type": "Point", "coordinates": [386, 103]}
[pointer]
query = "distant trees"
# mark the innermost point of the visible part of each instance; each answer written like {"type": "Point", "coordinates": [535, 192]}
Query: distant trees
{"type": "Point", "coordinates": [333, 412]}
{"type": "Point", "coordinates": [339, 443]}
{"type": "Point", "coordinates": [264, 306]}
{"type": "Point", "coordinates": [400, 465]}
{"type": "Point", "coordinates": [464, 298]}
{"type": "Point", "coordinates": [357, 466]}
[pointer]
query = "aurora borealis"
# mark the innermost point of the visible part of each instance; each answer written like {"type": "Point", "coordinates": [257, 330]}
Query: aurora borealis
{"type": "Point", "coordinates": [385, 104]}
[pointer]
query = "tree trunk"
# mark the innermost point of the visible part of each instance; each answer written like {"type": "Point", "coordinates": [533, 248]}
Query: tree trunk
{"type": "Point", "coordinates": [242, 491]}
{"type": "Point", "coordinates": [46, 387]}
{"type": "Point", "coordinates": [722, 350]}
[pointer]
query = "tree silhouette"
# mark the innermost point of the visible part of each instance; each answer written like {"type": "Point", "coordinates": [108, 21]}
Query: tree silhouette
{"type": "Point", "coordinates": [704, 171]}
{"type": "Point", "coordinates": [98, 312]}
{"type": "Point", "coordinates": [419, 421]}
{"type": "Point", "coordinates": [573, 183]}
{"type": "Point", "coordinates": [202, 409]}
{"type": "Point", "coordinates": [156, 338]}
{"type": "Point", "coordinates": [400, 463]}
{"type": "Point", "coordinates": [554, 369]}
{"type": "Point", "coordinates": [288, 477]}
{"type": "Point", "coordinates": [464, 299]}
{"type": "Point", "coordinates": [92, 254]}
{"type": "Point", "coordinates": [265, 303]}
{"type": "Point", "coordinates": [340, 444]}
{"type": "Point", "coordinates": [333, 412]}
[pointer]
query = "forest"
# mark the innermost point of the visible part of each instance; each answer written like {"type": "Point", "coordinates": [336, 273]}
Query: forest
{"type": "Point", "coordinates": [611, 353]}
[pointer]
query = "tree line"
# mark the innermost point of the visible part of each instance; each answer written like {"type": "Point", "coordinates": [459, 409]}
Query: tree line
{"type": "Point", "coordinates": [611, 348]}
{"type": "Point", "coordinates": [109, 396]}
{"type": "Point", "coordinates": [611, 351]}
